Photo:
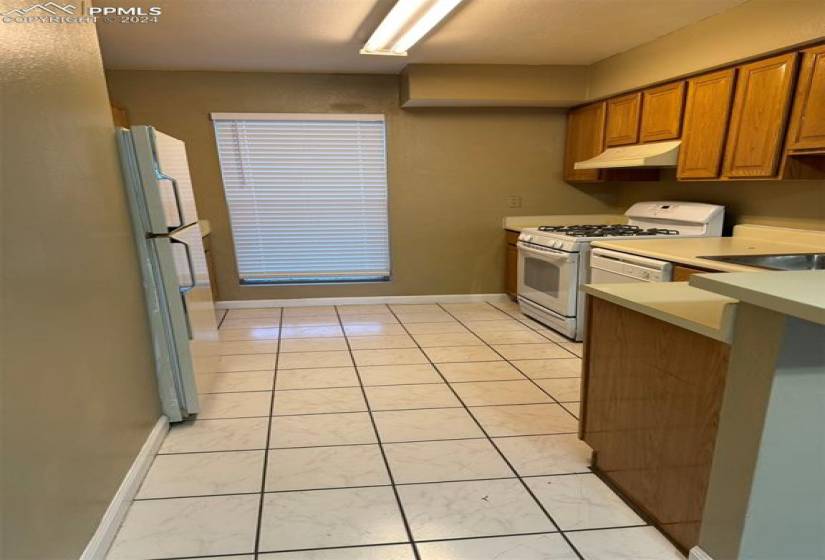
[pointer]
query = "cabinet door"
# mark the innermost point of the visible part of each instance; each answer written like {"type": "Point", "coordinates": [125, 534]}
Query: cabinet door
{"type": "Point", "coordinates": [511, 279]}
{"type": "Point", "coordinates": [706, 122]}
{"type": "Point", "coordinates": [585, 139]}
{"type": "Point", "coordinates": [760, 109]}
{"type": "Point", "coordinates": [807, 125]}
{"type": "Point", "coordinates": [623, 120]}
{"type": "Point", "coordinates": [662, 112]}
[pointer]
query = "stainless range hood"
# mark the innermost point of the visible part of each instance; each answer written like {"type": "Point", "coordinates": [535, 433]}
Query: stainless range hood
{"type": "Point", "coordinates": [654, 154]}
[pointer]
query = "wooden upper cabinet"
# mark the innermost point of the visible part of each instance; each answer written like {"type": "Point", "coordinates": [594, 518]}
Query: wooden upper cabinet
{"type": "Point", "coordinates": [585, 139]}
{"type": "Point", "coordinates": [807, 125]}
{"type": "Point", "coordinates": [623, 120]}
{"type": "Point", "coordinates": [706, 122]}
{"type": "Point", "coordinates": [662, 112]}
{"type": "Point", "coordinates": [760, 110]}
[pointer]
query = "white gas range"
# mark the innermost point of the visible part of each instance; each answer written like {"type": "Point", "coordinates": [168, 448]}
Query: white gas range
{"type": "Point", "coordinates": [554, 261]}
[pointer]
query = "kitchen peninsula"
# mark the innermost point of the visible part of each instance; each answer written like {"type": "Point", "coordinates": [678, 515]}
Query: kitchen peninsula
{"type": "Point", "coordinates": [694, 395]}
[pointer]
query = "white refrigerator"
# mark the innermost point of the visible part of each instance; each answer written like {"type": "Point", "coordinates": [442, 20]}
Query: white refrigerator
{"type": "Point", "coordinates": [175, 274]}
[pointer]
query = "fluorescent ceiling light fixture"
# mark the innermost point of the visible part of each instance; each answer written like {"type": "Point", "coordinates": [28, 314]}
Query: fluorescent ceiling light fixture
{"type": "Point", "coordinates": [406, 24]}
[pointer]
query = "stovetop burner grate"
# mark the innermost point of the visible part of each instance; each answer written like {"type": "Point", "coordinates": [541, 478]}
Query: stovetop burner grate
{"type": "Point", "coordinates": [610, 230]}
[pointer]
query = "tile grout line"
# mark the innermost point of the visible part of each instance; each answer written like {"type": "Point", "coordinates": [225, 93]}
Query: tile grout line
{"type": "Point", "coordinates": [381, 448]}
{"type": "Point", "coordinates": [399, 543]}
{"type": "Point", "coordinates": [528, 322]}
{"type": "Point", "coordinates": [380, 409]}
{"type": "Point", "coordinates": [380, 385]}
{"type": "Point", "coordinates": [358, 444]}
{"type": "Point", "coordinates": [220, 322]}
{"type": "Point", "coordinates": [236, 554]}
{"type": "Point", "coordinates": [574, 356]}
{"type": "Point", "coordinates": [530, 379]}
{"type": "Point", "coordinates": [266, 450]}
{"type": "Point", "coordinates": [272, 340]}
{"type": "Point", "coordinates": [423, 348]}
{"type": "Point", "coordinates": [501, 453]}
{"type": "Point", "coordinates": [561, 404]}
{"type": "Point", "coordinates": [418, 483]}
{"type": "Point", "coordinates": [490, 440]}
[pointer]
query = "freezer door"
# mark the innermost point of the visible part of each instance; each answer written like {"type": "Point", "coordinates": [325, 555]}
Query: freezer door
{"type": "Point", "coordinates": [165, 180]}
{"type": "Point", "coordinates": [192, 276]}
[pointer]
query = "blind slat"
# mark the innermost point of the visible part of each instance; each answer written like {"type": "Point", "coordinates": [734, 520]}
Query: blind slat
{"type": "Point", "coordinates": [307, 198]}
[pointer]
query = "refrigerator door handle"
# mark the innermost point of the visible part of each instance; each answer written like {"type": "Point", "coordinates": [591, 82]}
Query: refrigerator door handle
{"type": "Point", "coordinates": [189, 263]}
{"type": "Point", "coordinates": [189, 333]}
{"type": "Point", "coordinates": [184, 289]}
{"type": "Point", "coordinates": [176, 193]}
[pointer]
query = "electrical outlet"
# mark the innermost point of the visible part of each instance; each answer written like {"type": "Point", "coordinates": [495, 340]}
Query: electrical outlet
{"type": "Point", "coordinates": [513, 201]}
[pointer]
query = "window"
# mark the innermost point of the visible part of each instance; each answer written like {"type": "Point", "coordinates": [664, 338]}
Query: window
{"type": "Point", "coordinates": [307, 195]}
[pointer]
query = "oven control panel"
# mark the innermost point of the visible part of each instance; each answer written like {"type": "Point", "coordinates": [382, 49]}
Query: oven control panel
{"type": "Point", "coordinates": [549, 242]}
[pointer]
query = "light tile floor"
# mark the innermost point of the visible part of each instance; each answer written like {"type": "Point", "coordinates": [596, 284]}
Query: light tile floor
{"type": "Point", "coordinates": [375, 432]}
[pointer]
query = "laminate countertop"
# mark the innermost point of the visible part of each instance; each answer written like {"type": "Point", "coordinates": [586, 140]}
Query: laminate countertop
{"type": "Point", "coordinates": [707, 313]}
{"type": "Point", "coordinates": [746, 240]}
{"type": "Point", "coordinates": [799, 294]}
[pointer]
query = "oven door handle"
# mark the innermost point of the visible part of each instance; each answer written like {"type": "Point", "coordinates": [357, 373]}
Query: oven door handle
{"type": "Point", "coordinates": [547, 255]}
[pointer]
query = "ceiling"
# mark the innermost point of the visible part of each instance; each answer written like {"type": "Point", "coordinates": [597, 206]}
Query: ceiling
{"type": "Point", "coordinates": [325, 35]}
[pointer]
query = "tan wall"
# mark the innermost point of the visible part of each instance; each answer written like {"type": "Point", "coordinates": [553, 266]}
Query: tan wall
{"type": "Point", "coordinates": [491, 85]}
{"type": "Point", "coordinates": [449, 171]}
{"type": "Point", "coordinates": [78, 389]}
{"type": "Point", "coordinates": [751, 29]}
{"type": "Point", "coordinates": [796, 204]}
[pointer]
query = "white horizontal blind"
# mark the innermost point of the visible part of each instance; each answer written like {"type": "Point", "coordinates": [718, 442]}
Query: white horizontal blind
{"type": "Point", "coordinates": [307, 195]}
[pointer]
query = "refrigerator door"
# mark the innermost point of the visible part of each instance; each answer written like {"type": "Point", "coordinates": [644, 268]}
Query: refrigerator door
{"type": "Point", "coordinates": [167, 358]}
{"type": "Point", "coordinates": [164, 175]}
{"type": "Point", "coordinates": [192, 276]}
{"type": "Point", "coordinates": [176, 283]}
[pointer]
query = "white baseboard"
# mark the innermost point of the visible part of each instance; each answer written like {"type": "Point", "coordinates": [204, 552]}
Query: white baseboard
{"type": "Point", "coordinates": [697, 553]}
{"type": "Point", "coordinates": [449, 298]}
{"type": "Point", "coordinates": [110, 522]}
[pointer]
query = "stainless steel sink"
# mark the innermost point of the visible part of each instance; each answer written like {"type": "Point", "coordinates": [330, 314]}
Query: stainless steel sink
{"type": "Point", "coordinates": [797, 261]}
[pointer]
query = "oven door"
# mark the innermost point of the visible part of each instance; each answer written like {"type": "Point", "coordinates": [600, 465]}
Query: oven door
{"type": "Point", "coordinates": [548, 277]}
